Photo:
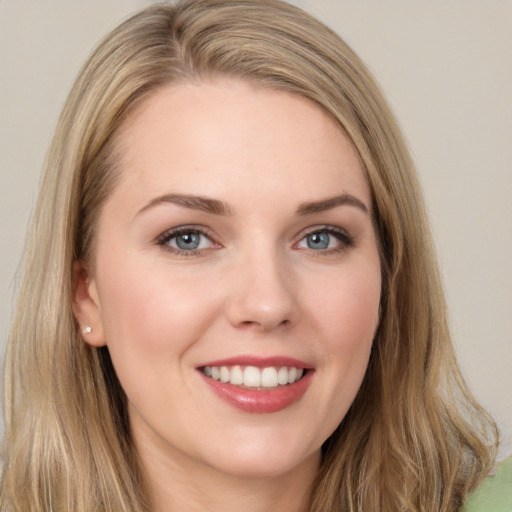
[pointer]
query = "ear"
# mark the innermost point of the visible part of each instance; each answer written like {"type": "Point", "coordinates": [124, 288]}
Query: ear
{"type": "Point", "coordinates": [87, 306]}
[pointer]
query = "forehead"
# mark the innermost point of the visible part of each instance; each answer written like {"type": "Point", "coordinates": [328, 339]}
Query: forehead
{"type": "Point", "coordinates": [211, 137]}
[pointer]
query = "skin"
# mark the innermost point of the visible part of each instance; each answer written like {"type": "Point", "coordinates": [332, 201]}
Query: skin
{"type": "Point", "coordinates": [254, 286]}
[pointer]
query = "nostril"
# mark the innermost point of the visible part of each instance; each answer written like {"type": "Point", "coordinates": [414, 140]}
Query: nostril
{"type": "Point", "coordinates": [262, 306]}
{"type": "Point", "coordinates": [265, 323]}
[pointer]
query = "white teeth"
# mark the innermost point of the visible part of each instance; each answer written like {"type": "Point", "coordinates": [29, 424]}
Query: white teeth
{"type": "Point", "coordinates": [254, 377]}
{"type": "Point", "coordinates": [224, 374]}
{"type": "Point", "coordinates": [269, 378]}
{"type": "Point", "coordinates": [282, 375]}
{"type": "Point", "coordinates": [237, 376]}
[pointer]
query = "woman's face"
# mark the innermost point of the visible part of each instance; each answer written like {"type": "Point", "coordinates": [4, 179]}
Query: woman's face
{"type": "Point", "coordinates": [236, 253]}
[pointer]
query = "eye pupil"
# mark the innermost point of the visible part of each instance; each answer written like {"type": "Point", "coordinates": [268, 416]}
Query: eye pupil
{"type": "Point", "coordinates": [318, 240]}
{"type": "Point", "coordinates": [188, 241]}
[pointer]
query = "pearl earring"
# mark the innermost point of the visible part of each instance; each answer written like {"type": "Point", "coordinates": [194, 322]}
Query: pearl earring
{"type": "Point", "coordinates": [87, 330]}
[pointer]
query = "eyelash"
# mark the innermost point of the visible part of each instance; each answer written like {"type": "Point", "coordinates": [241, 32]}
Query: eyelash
{"type": "Point", "coordinates": [164, 239]}
{"type": "Point", "coordinates": [346, 241]}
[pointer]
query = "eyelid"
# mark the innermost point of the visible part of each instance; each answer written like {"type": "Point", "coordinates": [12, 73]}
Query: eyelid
{"type": "Point", "coordinates": [346, 240]}
{"type": "Point", "coordinates": [167, 235]}
{"type": "Point", "coordinates": [178, 230]}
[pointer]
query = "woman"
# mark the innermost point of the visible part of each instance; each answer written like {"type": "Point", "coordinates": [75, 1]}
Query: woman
{"type": "Point", "coordinates": [230, 296]}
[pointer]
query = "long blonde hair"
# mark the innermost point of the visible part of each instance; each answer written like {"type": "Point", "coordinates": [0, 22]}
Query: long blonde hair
{"type": "Point", "coordinates": [414, 438]}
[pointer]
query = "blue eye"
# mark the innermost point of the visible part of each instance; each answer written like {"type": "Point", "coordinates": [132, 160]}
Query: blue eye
{"type": "Point", "coordinates": [188, 241]}
{"type": "Point", "coordinates": [318, 241]}
{"type": "Point", "coordinates": [326, 239]}
{"type": "Point", "coordinates": [185, 240]}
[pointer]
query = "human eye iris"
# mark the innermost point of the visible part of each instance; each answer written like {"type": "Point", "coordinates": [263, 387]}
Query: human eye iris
{"type": "Point", "coordinates": [318, 241]}
{"type": "Point", "coordinates": [326, 239]}
{"type": "Point", "coordinates": [185, 241]}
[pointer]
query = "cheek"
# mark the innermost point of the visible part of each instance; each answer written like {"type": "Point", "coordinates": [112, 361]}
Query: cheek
{"type": "Point", "coordinates": [347, 316]}
{"type": "Point", "coordinates": [345, 313]}
{"type": "Point", "coordinates": [151, 311]}
{"type": "Point", "coordinates": [348, 309]}
{"type": "Point", "coordinates": [152, 316]}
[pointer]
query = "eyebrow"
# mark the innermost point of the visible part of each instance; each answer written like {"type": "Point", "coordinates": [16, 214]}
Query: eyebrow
{"type": "Point", "coordinates": [216, 207]}
{"type": "Point", "coordinates": [310, 208]}
{"type": "Point", "coordinates": [204, 204]}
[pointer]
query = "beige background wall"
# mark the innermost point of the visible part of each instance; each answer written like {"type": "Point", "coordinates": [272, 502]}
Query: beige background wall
{"type": "Point", "coordinates": [446, 67]}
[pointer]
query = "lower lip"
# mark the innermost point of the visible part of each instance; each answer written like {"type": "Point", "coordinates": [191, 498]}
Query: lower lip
{"type": "Point", "coordinates": [262, 400]}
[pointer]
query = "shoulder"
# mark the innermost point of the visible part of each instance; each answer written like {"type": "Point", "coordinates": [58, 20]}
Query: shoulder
{"type": "Point", "coordinates": [494, 494]}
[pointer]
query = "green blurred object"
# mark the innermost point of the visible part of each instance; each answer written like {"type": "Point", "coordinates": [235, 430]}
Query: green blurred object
{"type": "Point", "coordinates": [494, 494]}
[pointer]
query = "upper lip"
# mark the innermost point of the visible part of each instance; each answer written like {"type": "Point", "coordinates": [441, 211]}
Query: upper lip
{"type": "Point", "coordinates": [258, 361]}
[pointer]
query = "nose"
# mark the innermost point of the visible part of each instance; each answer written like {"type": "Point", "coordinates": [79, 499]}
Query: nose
{"type": "Point", "coordinates": [263, 294]}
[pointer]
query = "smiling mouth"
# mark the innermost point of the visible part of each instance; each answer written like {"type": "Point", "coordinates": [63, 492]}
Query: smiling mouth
{"type": "Point", "coordinates": [252, 377]}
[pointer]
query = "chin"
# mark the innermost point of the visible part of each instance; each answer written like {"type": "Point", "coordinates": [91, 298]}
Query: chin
{"type": "Point", "coordinates": [254, 461]}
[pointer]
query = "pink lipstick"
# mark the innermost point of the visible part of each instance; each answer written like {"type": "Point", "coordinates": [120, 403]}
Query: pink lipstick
{"type": "Point", "coordinates": [258, 385]}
